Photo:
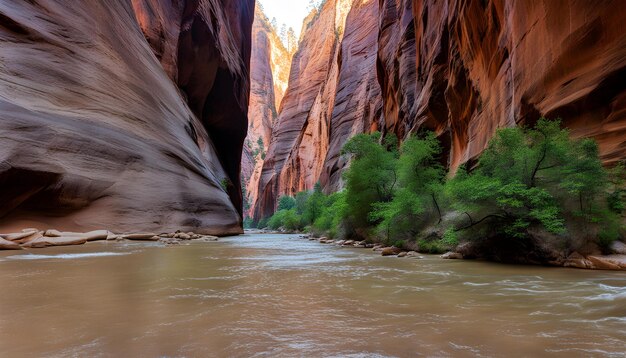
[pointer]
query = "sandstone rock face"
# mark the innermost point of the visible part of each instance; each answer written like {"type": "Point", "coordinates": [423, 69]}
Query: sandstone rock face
{"type": "Point", "coordinates": [358, 102]}
{"type": "Point", "coordinates": [332, 95]}
{"type": "Point", "coordinates": [309, 72]}
{"type": "Point", "coordinates": [204, 45]}
{"type": "Point", "coordinates": [462, 68]}
{"type": "Point", "coordinates": [465, 68]}
{"type": "Point", "coordinates": [94, 131]}
{"type": "Point", "coordinates": [269, 72]}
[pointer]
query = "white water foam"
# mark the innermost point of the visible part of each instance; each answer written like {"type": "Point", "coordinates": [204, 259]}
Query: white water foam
{"type": "Point", "coordinates": [66, 256]}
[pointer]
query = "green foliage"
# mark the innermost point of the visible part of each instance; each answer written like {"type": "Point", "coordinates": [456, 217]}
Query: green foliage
{"type": "Point", "coordinates": [286, 218]}
{"type": "Point", "coordinates": [244, 196]}
{"type": "Point", "coordinates": [301, 201]}
{"type": "Point", "coordinates": [527, 178]}
{"type": "Point", "coordinates": [263, 223]}
{"type": "Point", "coordinates": [248, 223]}
{"type": "Point", "coordinates": [617, 193]}
{"type": "Point", "coordinates": [431, 247]}
{"type": "Point", "coordinates": [225, 184]}
{"type": "Point", "coordinates": [259, 150]}
{"type": "Point", "coordinates": [286, 202]}
{"type": "Point", "coordinates": [314, 205]}
{"type": "Point", "coordinates": [450, 238]}
{"type": "Point", "coordinates": [332, 215]}
{"type": "Point", "coordinates": [416, 198]}
{"type": "Point", "coordinates": [371, 177]}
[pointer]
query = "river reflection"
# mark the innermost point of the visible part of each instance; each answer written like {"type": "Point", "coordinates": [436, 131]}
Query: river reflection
{"type": "Point", "coordinates": [279, 296]}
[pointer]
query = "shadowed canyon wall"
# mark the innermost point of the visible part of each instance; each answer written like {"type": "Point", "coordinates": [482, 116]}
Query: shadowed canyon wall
{"type": "Point", "coordinates": [125, 115]}
{"type": "Point", "coordinates": [462, 68]}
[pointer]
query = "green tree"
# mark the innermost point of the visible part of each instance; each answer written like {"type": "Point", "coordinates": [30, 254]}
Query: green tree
{"type": "Point", "coordinates": [371, 177]}
{"type": "Point", "coordinates": [314, 205]}
{"type": "Point", "coordinates": [523, 178]}
{"type": "Point", "coordinates": [420, 184]}
{"type": "Point", "coordinates": [286, 202]}
{"type": "Point", "coordinates": [302, 199]}
{"type": "Point", "coordinates": [286, 218]}
{"type": "Point", "coordinates": [332, 215]}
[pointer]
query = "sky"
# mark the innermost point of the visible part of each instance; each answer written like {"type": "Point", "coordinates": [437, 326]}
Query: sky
{"type": "Point", "coordinates": [289, 12]}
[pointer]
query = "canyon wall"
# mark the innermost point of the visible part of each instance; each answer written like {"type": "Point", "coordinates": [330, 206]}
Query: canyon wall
{"type": "Point", "coordinates": [465, 68]}
{"type": "Point", "coordinates": [462, 68]}
{"type": "Point", "coordinates": [269, 73]}
{"type": "Point", "coordinates": [123, 115]}
{"type": "Point", "coordinates": [300, 135]}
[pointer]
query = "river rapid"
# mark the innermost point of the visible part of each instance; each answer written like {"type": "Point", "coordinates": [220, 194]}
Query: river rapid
{"type": "Point", "coordinates": [280, 296]}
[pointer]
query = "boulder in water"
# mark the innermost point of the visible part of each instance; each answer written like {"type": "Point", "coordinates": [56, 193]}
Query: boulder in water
{"type": "Point", "coordinates": [143, 236]}
{"type": "Point", "coordinates": [390, 251]}
{"type": "Point", "coordinates": [618, 247]}
{"type": "Point", "coordinates": [45, 241]}
{"type": "Point", "coordinates": [452, 255]}
{"type": "Point", "coordinates": [8, 245]}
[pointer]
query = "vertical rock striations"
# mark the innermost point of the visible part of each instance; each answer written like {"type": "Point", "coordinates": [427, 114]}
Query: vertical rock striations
{"type": "Point", "coordinates": [269, 73]}
{"type": "Point", "coordinates": [301, 133]}
{"type": "Point", "coordinates": [465, 68]}
{"type": "Point", "coordinates": [358, 102]}
{"type": "Point", "coordinates": [333, 94]}
{"type": "Point", "coordinates": [94, 131]}
{"type": "Point", "coordinates": [462, 68]}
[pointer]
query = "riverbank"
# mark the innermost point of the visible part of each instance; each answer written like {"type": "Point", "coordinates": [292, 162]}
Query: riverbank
{"type": "Point", "coordinates": [614, 262]}
{"type": "Point", "coordinates": [36, 239]}
{"type": "Point", "coordinates": [33, 238]}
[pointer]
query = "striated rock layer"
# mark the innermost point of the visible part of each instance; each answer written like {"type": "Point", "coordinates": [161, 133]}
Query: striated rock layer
{"type": "Point", "coordinates": [303, 108]}
{"type": "Point", "coordinates": [462, 68]}
{"type": "Point", "coordinates": [102, 125]}
{"type": "Point", "coordinates": [269, 74]}
{"type": "Point", "coordinates": [333, 94]}
{"type": "Point", "coordinates": [465, 68]}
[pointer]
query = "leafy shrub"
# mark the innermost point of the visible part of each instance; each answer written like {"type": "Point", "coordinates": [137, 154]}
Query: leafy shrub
{"type": "Point", "coordinates": [286, 203]}
{"type": "Point", "coordinates": [532, 178]}
{"type": "Point", "coordinates": [371, 177]}
{"type": "Point", "coordinates": [416, 198]}
{"type": "Point", "coordinates": [288, 219]}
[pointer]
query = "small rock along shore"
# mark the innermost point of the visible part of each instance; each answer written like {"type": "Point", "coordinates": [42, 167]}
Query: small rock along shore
{"type": "Point", "coordinates": [36, 239]}
{"type": "Point", "coordinates": [33, 238]}
{"type": "Point", "coordinates": [615, 262]}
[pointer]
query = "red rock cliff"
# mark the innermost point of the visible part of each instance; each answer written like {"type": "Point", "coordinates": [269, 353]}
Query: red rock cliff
{"type": "Point", "coordinates": [333, 94]}
{"type": "Point", "coordinates": [102, 125]}
{"type": "Point", "coordinates": [269, 72]}
{"type": "Point", "coordinates": [460, 67]}
{"type": "Point", "coordinates": [465, 68]}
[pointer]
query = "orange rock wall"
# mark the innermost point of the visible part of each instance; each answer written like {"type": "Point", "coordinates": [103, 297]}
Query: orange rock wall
{"type": "Point", "coordinates": [462, 68]}
{"type": "Point", "coordinates": [125, 115]}
{"type": "Point", "coordinates": [466, 68]}
{"type": "Point", "coordinates": [269, 74]}
{"type": "Point", "coordinates": [333, 94]}
{"type": "Point", "coordinates": [302, 103]}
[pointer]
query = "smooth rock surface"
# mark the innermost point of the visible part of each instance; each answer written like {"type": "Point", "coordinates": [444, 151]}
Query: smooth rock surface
{"type": "Point", "coordinates": [125, 115]}
{"type": "Point", "coordinates": [44, 241]}
{"type": "Point", "coordinates": [9, 245]}
{"type": "Point", "coordinates": [452, 255]}
{"type": "Point", "coordinates": [141, 236]}
{"type": "Point", "coordinates": [390, 251]}
{"type": "Point", "coordinates": [618, 247]}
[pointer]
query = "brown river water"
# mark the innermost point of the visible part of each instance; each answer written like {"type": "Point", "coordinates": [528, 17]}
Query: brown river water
{"type": "Point", "coordinates": [279, 296]}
